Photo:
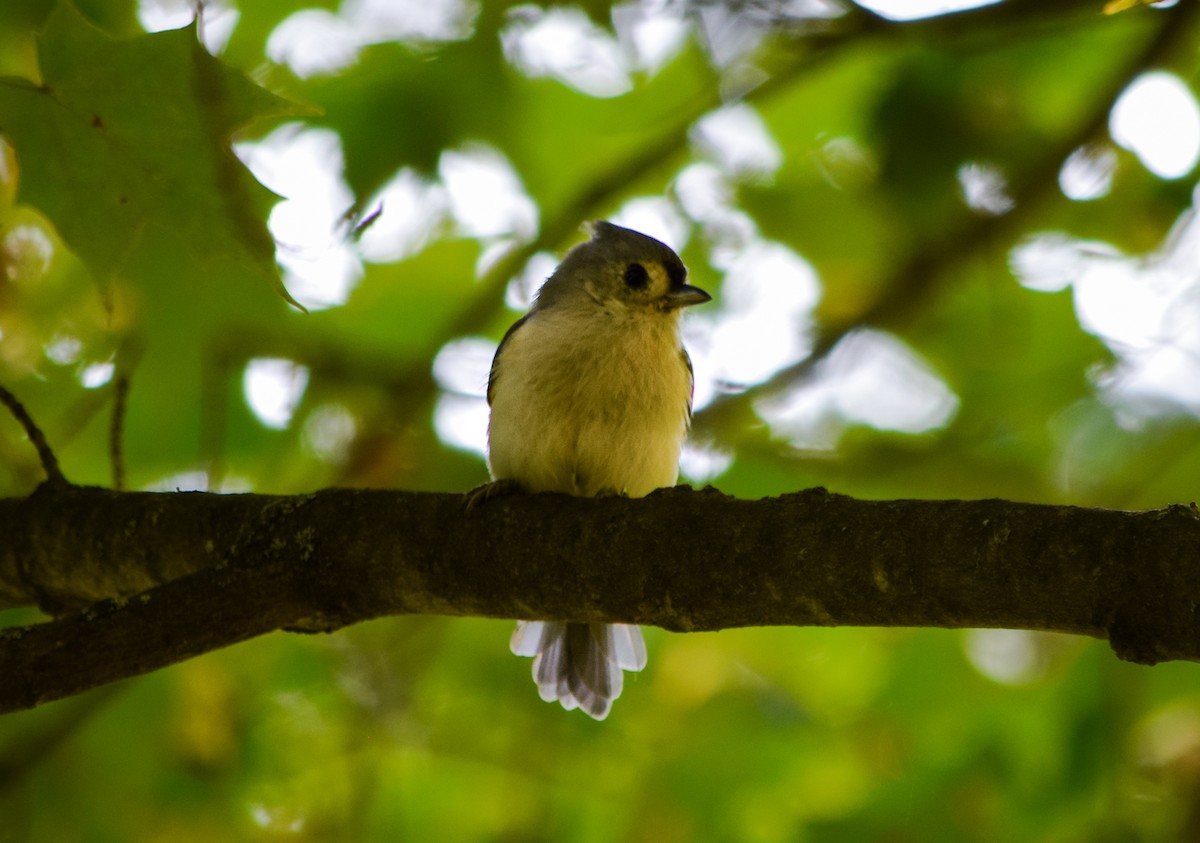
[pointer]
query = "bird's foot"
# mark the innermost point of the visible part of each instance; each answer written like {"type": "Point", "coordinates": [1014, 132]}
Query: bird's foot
{"type": "Point", "coordinates": [487, 491]}
{"type": "Point", "coordinates": [610, 492]}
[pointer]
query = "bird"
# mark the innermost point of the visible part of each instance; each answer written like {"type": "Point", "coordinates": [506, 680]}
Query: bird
{"type": "Point", "coordinates": [590, 394]}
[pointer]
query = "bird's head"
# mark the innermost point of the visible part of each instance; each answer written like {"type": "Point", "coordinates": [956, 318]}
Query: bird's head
{"type": "Point", "coordinates": [621, 269]}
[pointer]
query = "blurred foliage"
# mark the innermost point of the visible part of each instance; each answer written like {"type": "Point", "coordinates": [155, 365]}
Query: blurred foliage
{"type": "Point", "coordinates": [133, 245]}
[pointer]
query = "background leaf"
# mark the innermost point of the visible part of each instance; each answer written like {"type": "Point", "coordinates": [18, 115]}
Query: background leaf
{"type": "Point", "coordinates": [107, 166]}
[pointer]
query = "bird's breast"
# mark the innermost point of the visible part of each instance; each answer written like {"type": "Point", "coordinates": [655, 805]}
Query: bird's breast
{"type": "Point", "coordinates": [590, 411]}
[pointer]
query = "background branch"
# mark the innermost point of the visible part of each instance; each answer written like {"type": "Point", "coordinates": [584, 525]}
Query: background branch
{"type": "Point", "coordinates": [908, 291]}
{"type": "Point", "coordinates": [116, 430]}
{"type": "Point", "coordinates": [234, 567]}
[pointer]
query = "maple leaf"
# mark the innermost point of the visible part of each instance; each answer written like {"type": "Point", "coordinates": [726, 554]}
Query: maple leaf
{"type": "Point", "coordinates": [107, 161]}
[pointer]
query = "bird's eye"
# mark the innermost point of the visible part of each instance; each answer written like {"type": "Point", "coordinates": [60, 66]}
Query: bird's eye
{"type": "Point", "coordinates": [636, 276]}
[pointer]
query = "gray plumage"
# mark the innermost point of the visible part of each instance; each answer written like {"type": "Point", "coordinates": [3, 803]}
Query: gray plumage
{"type": "Point", "coordinates": [590, 394]}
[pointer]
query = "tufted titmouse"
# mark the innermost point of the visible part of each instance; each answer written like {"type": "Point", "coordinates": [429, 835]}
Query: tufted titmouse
{"type": "Point", "coordinates": [591, 394]}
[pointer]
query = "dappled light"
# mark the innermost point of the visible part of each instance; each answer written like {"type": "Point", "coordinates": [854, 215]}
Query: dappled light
{"type": "Point", "coordinates": [700, 464]}
{"type": "Point", "coordinates": [461, 422]}
{"type": "Point", "coordinates": [871, 379]}
{"type": "Point", "coordinates": [329, 431]}
{"type": "Point", "coordinates": [952, 248]}
{"type": "Point", "coordinates": [314, 42]}
{"type": "Point", "coordinates": [1142, 306]}
{"type": "Point", "coordinates": [1158, 120]}
{"type": "Point", "coordinates": [462, 365]}
{"type": "Point", "coordinates": [916, 9]}
{"type": "Point", "coordinates": [565, 45]}
{"type": "Point", "coordinates": [984, 189]}
{"type": "Point", "coordinates": [220, 19]}
{"type": "Point", "coordinates": [769, 294]}
{"type": "Point", "coordinates": [27, 253]}
{"type": "Point", "coordinates": [522, 289]}
{"type": "Point", "coordinates": [97, 375]}
{"type": "Point", "coordinates": [1007, 656]}
{"type": "Point", "coordinates": [1088, 173]}
{"type": "Point", "coordinates": [304, 166]}
{"type": "Point", "coordinates": [410, 209]}
{"type": "Point", "coordinates": [657, 217]}
{"type": "Point", "coordinates": [461, 370]}
{"type": "Point", "coordinates": [739, 141]}
{"type": "Point", "coordinates": [273, 388]}
{"type": "Point", "coordinates": [485, 194]}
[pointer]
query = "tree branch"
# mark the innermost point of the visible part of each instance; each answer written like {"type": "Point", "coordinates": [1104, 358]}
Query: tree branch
{"type": "Point", "coordinates": [237, 566]}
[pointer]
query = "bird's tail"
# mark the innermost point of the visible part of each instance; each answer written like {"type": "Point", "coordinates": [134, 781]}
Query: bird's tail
{"type": "Point", "coordinates": [580, 664]}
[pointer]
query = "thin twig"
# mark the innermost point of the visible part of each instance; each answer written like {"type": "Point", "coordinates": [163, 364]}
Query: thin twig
{"type": "Point", "coordinates": [116, 430]}
{"type": "Point", "coordinates": [54, 474]}
{"type": "Point", "coordinates": [217, 369]}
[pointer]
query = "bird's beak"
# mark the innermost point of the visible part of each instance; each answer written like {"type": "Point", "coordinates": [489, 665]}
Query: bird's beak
{"type": "Point", "coordinates": [687, 295]}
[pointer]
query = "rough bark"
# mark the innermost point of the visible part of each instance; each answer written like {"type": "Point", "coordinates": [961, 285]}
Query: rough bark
{"type": "Point", "coordinates": [177, 575]}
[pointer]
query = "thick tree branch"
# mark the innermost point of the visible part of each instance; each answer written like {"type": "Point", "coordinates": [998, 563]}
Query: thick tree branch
{"type": "Point", "coordinates": [234, 567]}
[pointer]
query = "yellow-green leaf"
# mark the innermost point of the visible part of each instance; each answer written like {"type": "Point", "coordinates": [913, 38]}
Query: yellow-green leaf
{"type": "Point", "coordinates": [108, 161]}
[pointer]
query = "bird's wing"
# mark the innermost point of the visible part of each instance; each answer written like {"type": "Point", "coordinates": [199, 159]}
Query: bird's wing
{"type": "Point", "coordinates": [687, 362]}
{"type": "Point", "coordinates": [500, 350]}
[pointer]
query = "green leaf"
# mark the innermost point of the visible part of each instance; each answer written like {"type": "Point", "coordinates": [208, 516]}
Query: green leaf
{"type": "Point", "coordinates": [400, 106]}
{"type": "Point", "coordinates": [402, 309]}
{"type": "Point", "coordinates": [109, 162]}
